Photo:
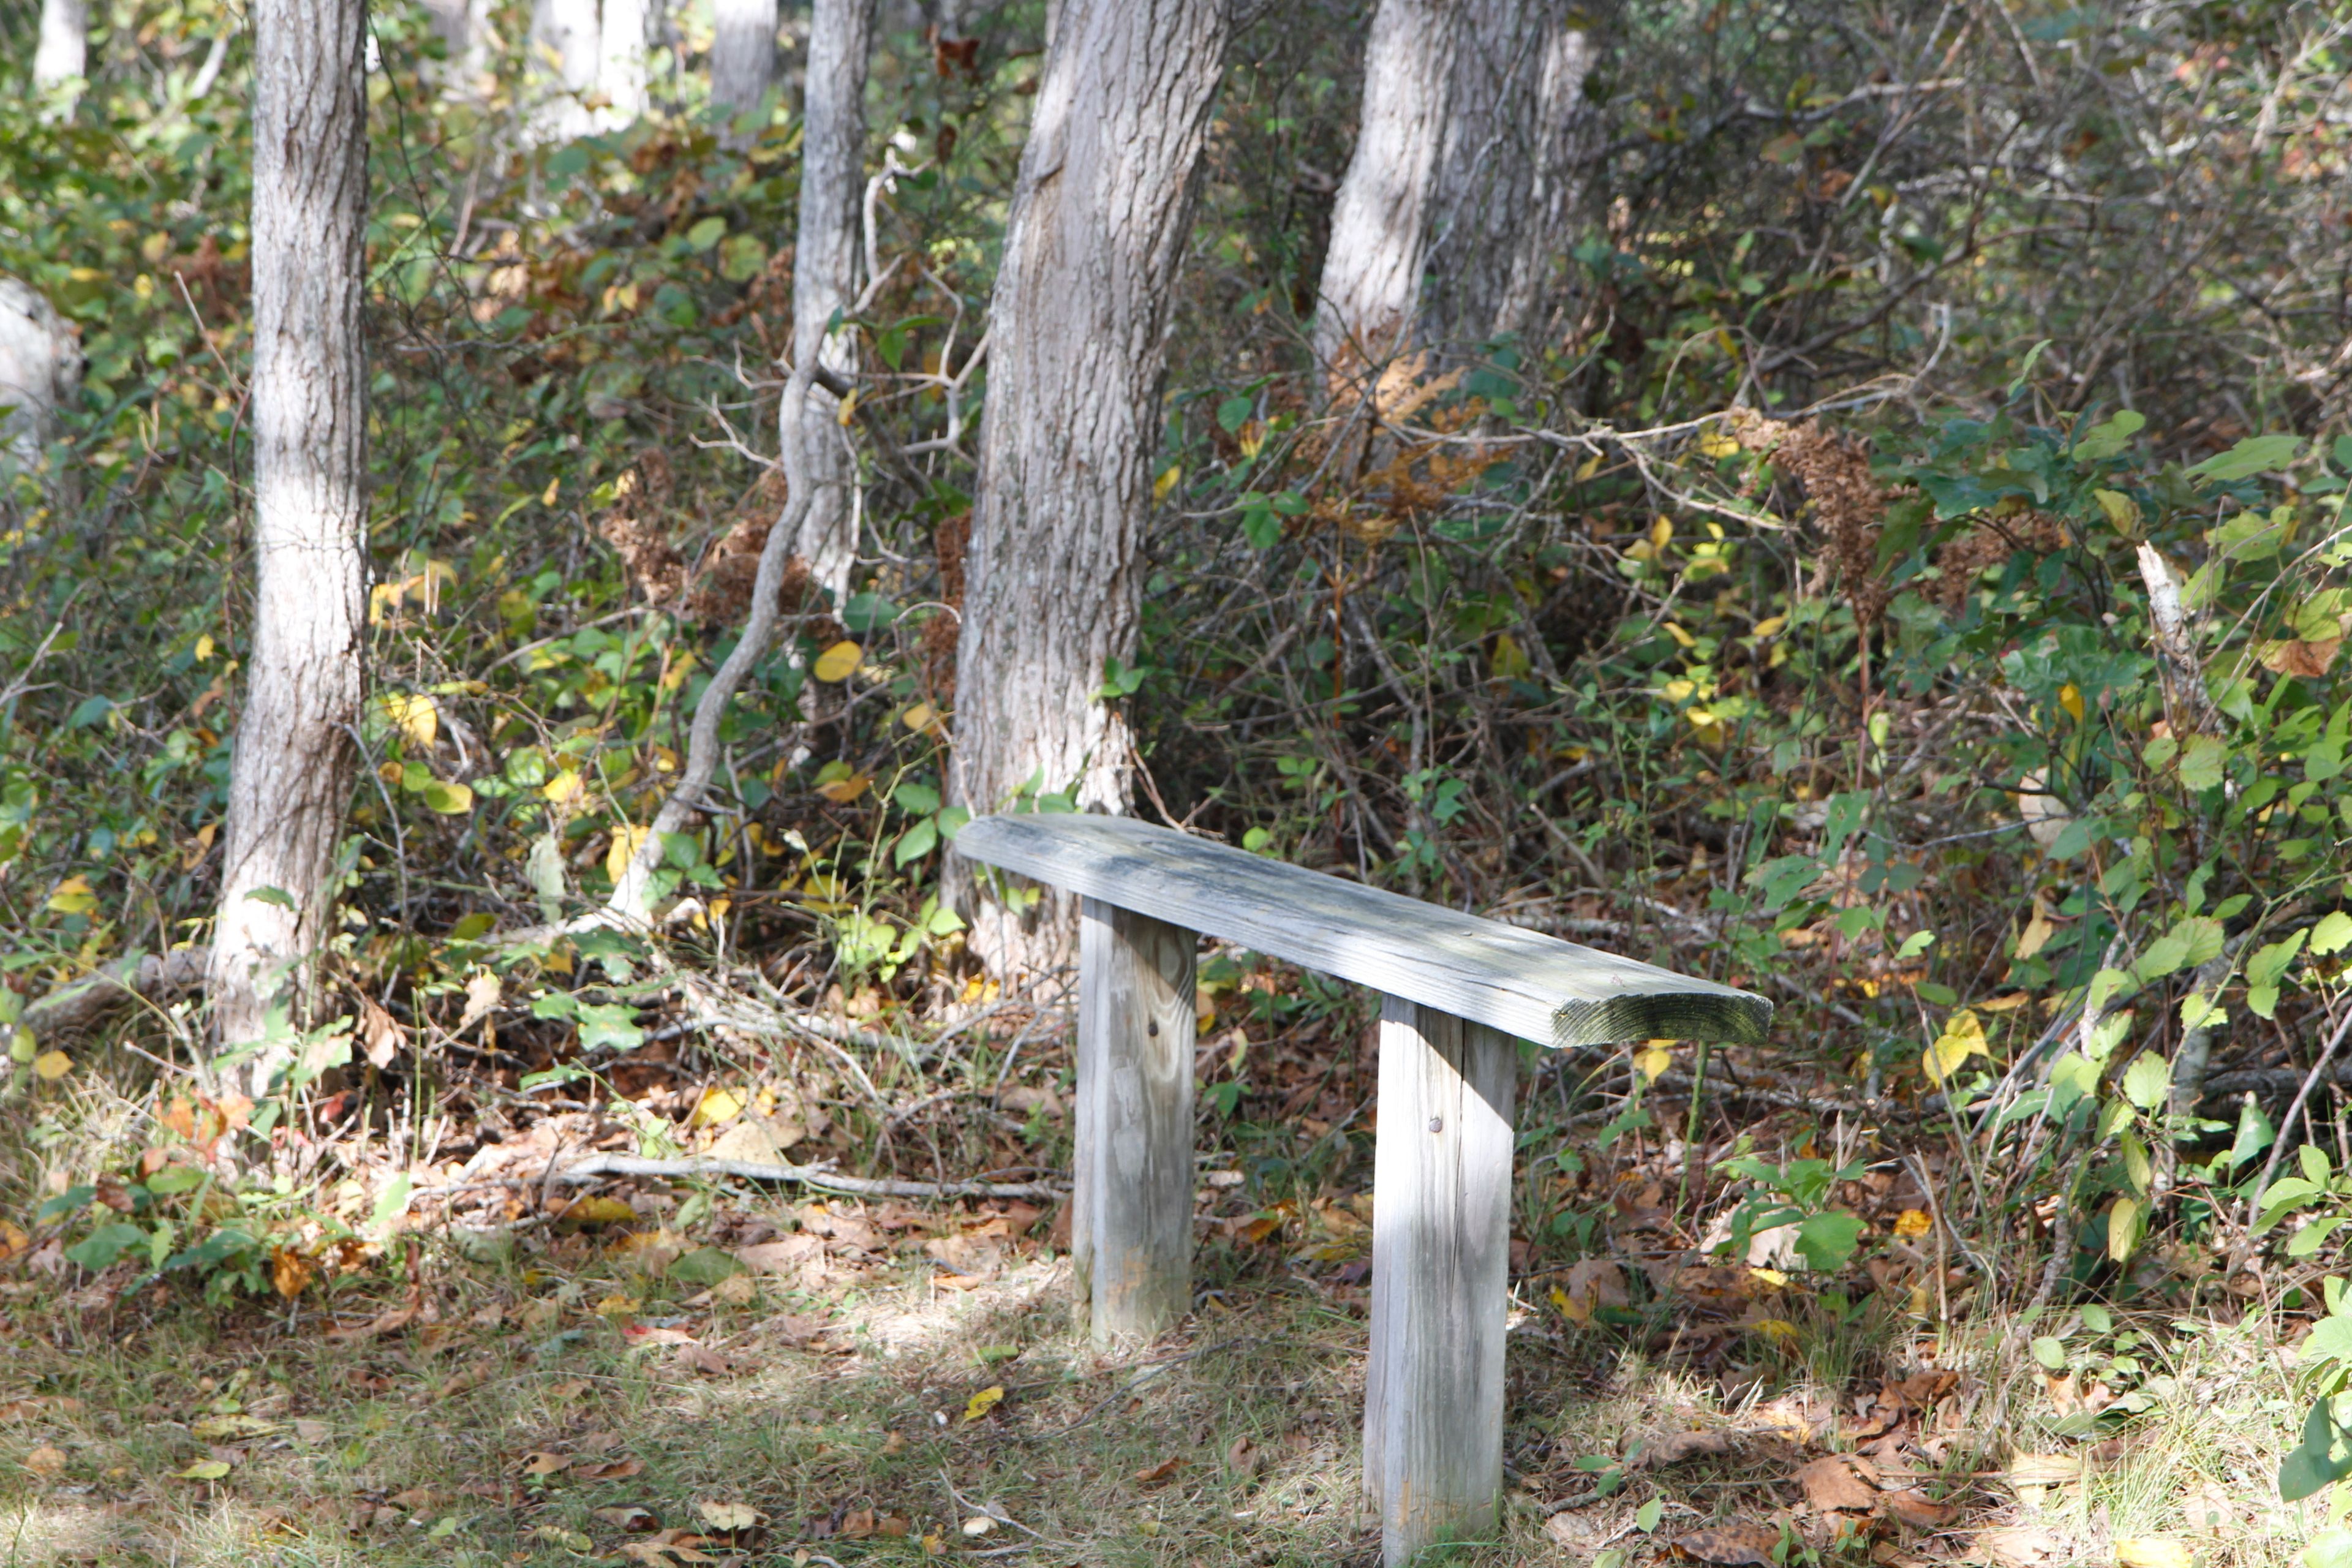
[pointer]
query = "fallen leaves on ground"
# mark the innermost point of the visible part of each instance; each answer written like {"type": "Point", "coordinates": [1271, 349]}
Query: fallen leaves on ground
{"type": "Point", "coordinates": [730, 1516]}
{"type": "Point", "coordinates": [1737, 1544]}
{"type": "Point", "coordinates": [2153, 1552]}
{"type": "Point", "coordinates": [1839, 1483]}
{"type": "Point", "coordinates": [2019, 1546]}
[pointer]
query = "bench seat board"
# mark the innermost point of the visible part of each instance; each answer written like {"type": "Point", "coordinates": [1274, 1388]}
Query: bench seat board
{"type": "Point", "coordinates": [1526, 984]}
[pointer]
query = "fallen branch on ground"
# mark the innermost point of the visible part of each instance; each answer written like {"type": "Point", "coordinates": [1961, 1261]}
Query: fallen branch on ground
{"type": "Point", "coordinates": [807, 1175]}
{"type": "Point", "coordinates": [80, 1008]}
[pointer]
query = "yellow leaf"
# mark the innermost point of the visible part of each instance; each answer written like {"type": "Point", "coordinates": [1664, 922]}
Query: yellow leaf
{"type": "Point", "coordinates": [1590, 466]}
{"type": "Point", "coordinates": [414, 716]}
{"type": "Point", "coordinates": [1963, 1037]}
{"type": "Point", "coordinates": [204, 645]}
{"type": "Point", "coordinates": [838, 662]}
{"type": "Point", "coordinates": [565, 787]}
{"type": "Point", "coordinates": [2008, 1004]}
{"type": "Point", "coordinates": [1771, 626]}
{"type": "Point", "coordinates": [1654, 1061]}
{"type": "Point", "coordinates": [1510, 661]}
{"type": "Point", "coordinates": [449, 799]}
{"type": "Point", "coordinates": [625, 840]}
{"type": "Point", "coordinates": [842, 791]}
{"type": "Point", "coordinates": [2123, 1229]}
{"type": "Point", "coordinates": [599, 1210]}
{"type": "Point", "coordinates": [980, 1404]}
{"type": "Point", "coordinates": [22, 1046]}
{"type": "Point", "coordinates": [2038, 932]}
{"type": "Point", "coordinates": [73, 896]}
{"type": "Point", "coordinates": [921, 717]}
{"type": "Point", "coordinates": [1168, 480]}
{"type": "Point", "coordinates": [1574, 1310]}
{"type": "Point", "coordinates": [1911, 1222]}
{"type": "Point", "coordinates": [203, 1470]}
{"type": "Point", "coordinates": [2121, 509]}
{"type": "Point", "coordinates": [717, 1105]}
{"type": "Point", "coordinates": [552, 487]}
{"type": "Point", "coordinates": [1717, 444]}
{"type": "Point", "coordinates": [2153, 1552]}
{"type": "Point", "coordinates": [728, 1516]}
{"type": "Point", "coordinates": [2070, 697]}
{"type": "Point", "coordinates": [848, 409]}
{"type": "Point", "coordinates": [615, 1305]}
{"type": "Point", "coordinates": [1779, 1331]}
{"type": "Point", "coordinates": [1681, 636]}
{"type": "Point", "coordinates": [53, 1065]}
{"type": "Point", "coordinates": [1661, 531]}
{"type": "Point", "coordinates": [1770, 1278]}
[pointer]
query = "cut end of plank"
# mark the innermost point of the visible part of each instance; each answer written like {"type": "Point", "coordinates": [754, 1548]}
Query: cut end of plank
{"type": "Point", "coordinates": [1729, 1019]}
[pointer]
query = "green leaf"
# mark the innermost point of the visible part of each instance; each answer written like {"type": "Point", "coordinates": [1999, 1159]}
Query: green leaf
{"type": "Point", "coordinates": [916, 798]}
{"type": "Point", "coordinates": [740, 259]}
{"type": "Point", "coordinates": [2255, 1134]}
{"type": "Point", "coordinates": [104, 1244]}
{"type": "Point", "coordinates": [1827, 1240]}
{"type": "Point", "coordinates": [2332, 934]}
{"type": "Point", "coordinates": [2200, 763]}
{"type": "Point", "coordinates": [278, 896]}
{"type": "Point", "coordinates": [2254, 455]}
{"type": "Point", "coordinates": [2146, 1081]}
{"type": "Point", "coordinates": [707, 233]}
{"type": "Point", "coordinates": [915, 842]}
{"type": "Point", "coordinates": [2270, 961]}
{"type": "Point", "coordinates": [2329, 1549]}
{"type": "Point", "coordinates": [1646, 1517]}
{"type": "Point", "coordinates": [2049, 1352]}
{"type": "Point", "coordinates": [704, 1266]}
{"type": "Point", "coordinates": [2105, 440]}
{"type": "Point", "coordinates": [608, 1024]}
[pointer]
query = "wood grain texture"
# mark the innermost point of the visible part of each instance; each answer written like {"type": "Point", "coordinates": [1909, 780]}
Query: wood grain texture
{"type": "Point", "coordinates": [1523, 983]}
{"type": "Point", "coordinates": [1440, 1256]}
{"type": "Point", "coordinates": [1131, 1219]}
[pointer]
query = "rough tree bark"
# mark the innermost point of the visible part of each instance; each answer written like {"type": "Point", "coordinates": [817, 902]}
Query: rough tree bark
{"type": "Point", "coordinates": [63, 53]}
{"type": "Point", "coordinates": [824, 274]}
{"type": "Point", "coordinates": [742, 54]}
{"type": "Point", "coordinates": [1098, 227]}
{"type": "Point", "coordinates": [565, 53]}
{"type": "Point", "coordinates": [291, 775]}
{"type": "Point", "coordinates": [623, 41]}
{"type": "Point", "coordinates": [1468, 164]}
{"type": "Point", "coordinates": [1517, 141]}
{"type": "Point", "coordinates": [40, 371]}
{"type": "Point", "coordinates": [1371, 292]}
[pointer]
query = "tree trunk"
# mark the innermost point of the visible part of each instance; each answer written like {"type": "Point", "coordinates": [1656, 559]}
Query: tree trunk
{"type": "Point", "coordinates": [63, 53]}
{"type": "Point", "coordinates": [1516, 142]}
{"type": "Point", "coordinates": [1098, 223]}
{"type": "Point", "coordinates": [623, 43]}
{"type": "Point", "coordinates": [291, 775]}
{"type": "Point", "coordinates": [742, 54]}
{"type": "Point", "coordinates": [1371, 291]}
{"type": "Point", "coordinates": [1467, 167]}
{"type": "Point", "coordinates": [825, 274]}
{"type": "Point", "coordinates": [565, 56]}
{"type": "Point", "coordinates": [40, 371]}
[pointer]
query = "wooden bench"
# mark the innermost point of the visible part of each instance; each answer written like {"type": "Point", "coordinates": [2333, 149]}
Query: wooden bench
{"type": "Point", "coordinates": [1456, 992]}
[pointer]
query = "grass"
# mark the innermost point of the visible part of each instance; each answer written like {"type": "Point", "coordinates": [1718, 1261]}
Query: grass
{"type": "Point", "coordinates": [582, 1392]}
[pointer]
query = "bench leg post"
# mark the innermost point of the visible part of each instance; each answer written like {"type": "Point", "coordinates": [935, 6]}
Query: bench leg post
{"type": "Point", "coordinates": [1441, 1261]}
{"type": "Point", "coordinates": [1131, 1218]}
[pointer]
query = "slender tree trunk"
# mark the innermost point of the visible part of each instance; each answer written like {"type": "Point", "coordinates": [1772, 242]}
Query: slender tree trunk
{"type": "Point", "coordinates": [742, 54]}
{"type": "Point", "coordinates": [1516, 144]}
{"type": "Point", "coordinates": [825, 274]}
{"type": "Point", "coordinates": [624, 41]}
{"type": "Point", "coordinates": [291, 775]}
{"type": "Point", "coordinates": [1371, 293]}
{"type": "Point", "coordinates": [63, 53]}
{"type": "Point", "coordinates": [565, 50]}
{"type": "Point", "coordinates": [460, 28]}
{"type": "Point", "coordinates": [1099, 219]}
{"type": "Point", "coordinates": [40, 371]}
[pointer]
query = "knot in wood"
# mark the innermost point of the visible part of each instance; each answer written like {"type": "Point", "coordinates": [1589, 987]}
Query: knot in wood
{"type": "Point", "coordinates": [1437, 1124]}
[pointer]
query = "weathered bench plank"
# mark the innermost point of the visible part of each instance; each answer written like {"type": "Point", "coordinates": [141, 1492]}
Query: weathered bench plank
{"type": "Point", "coordinates": [1527, 984]}
{"type": "Point", "coordinates": [1131, 1209]}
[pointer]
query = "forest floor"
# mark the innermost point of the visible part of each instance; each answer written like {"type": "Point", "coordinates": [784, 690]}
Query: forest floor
{"type": "Point", "coordinates": [658, 1373]}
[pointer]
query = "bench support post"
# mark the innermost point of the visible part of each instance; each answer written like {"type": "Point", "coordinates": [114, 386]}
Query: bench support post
{"type": "Point", "coordinates": [1441, 1260]}
{"type": "Point", "coordinates": [1131, 1216]}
